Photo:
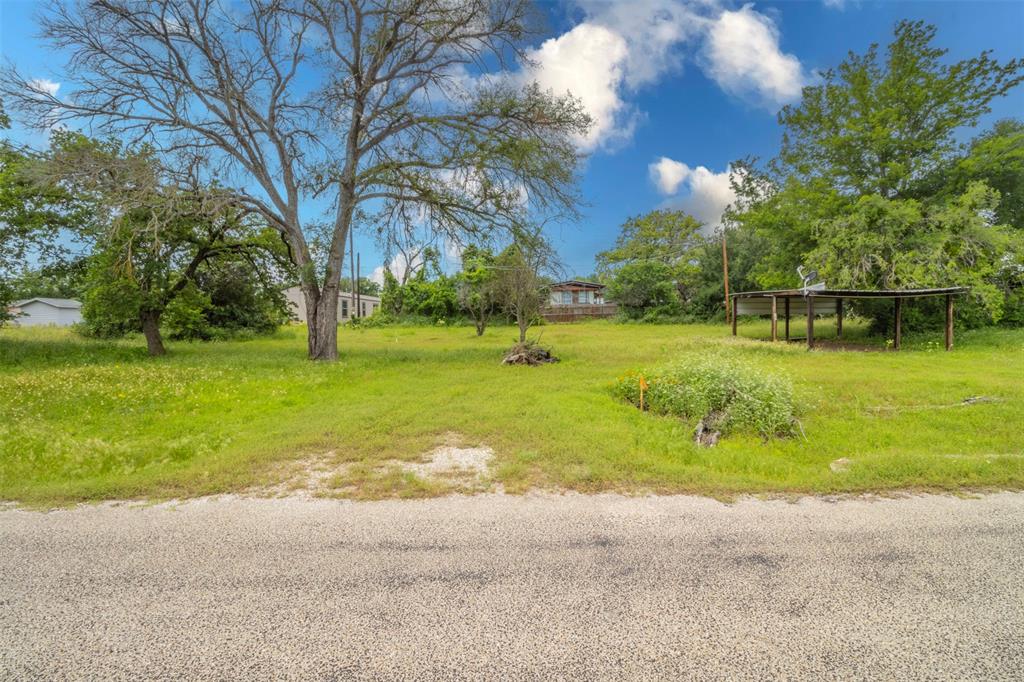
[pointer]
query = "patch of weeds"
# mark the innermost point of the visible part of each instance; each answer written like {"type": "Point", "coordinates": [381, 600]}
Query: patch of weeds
{"type": "Point", "coordinates": [732, 393]}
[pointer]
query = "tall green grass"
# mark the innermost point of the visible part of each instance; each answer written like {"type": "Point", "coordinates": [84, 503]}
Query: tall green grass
{"type": "Point", "coordinates": [82, 420]}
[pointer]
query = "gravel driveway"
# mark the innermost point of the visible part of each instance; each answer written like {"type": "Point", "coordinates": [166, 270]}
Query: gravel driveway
{"type": "Point", "coordinates": [534, 587]}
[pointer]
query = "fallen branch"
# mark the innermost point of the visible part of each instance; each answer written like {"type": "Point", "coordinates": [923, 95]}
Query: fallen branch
{"type": "Point", "coordinates": [971, 400]}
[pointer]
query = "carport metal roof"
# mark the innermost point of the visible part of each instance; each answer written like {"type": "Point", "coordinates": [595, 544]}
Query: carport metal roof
{"type": "Point", "coordinates": [833, 301]}
{"type": "Point", "coordinates": [852, 293]}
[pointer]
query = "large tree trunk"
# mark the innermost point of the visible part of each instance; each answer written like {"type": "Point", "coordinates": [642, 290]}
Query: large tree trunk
{"type": "Point", "coordinates": [151, 330]}
{"type": "Point", "coordinates": [322, 323]}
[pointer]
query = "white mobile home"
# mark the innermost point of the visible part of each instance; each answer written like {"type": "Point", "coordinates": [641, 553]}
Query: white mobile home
{"type": "Point", "coordinates": [368, 305]}
{"type": "Point", "coordinates": [36, 312]}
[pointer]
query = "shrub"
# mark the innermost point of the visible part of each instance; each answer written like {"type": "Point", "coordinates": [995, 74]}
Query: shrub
{"type": "Point", "coordinates": [736, 396]}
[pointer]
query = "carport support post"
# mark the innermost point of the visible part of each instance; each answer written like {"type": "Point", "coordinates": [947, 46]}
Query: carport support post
{"type": "Point", "coordinates": [735, 300]}
{"type": "Point", "coordinates": [839, 318]}
{"type": "Point", "coordinates": [787, 317]}
{"type": "Point", "coordinates": [810, 322]}
{"type": "Point", "coordinates": [897, 331]}
{"type": "Point", "coordinates": [949, 322]}
{"type": "Point", "coordinates": [775, 319]}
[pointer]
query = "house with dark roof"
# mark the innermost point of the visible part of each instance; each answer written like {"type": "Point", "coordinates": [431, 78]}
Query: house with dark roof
{"type": "Point", "coordinates": [575, 299]}
{"type": "Point", "coordinates": [576, 292]}
{"type": "Point", "coordinates": [36, 312]}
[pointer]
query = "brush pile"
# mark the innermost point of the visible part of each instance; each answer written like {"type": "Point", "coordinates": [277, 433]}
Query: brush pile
{"type": "Point", "coordinates": [528, 353]}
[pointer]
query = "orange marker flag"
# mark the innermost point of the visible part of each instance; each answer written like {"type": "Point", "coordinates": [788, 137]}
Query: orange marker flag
{"type": "Point", "coordinates": [643, 387]}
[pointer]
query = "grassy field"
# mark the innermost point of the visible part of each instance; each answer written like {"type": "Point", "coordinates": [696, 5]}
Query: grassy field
{"type": "Point", "coordinates": [84, 420]}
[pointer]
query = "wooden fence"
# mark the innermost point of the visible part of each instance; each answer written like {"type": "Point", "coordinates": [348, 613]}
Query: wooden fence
{"type": "Point", "coordinates": [572, 313]}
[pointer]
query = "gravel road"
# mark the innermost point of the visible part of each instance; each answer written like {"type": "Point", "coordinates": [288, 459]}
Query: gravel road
{"type": "Point", "coordinates": [533, 587]}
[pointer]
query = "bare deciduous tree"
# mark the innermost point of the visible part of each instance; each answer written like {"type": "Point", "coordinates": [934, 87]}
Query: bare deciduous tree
{"type": "Point", "coordinates": [402, 110]}
{"type": "Point", "coordinates": [521, 287]}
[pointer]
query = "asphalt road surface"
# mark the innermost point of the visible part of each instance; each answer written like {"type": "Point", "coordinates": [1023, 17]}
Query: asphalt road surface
{"type": "Point", "coordinates": [534, 587]}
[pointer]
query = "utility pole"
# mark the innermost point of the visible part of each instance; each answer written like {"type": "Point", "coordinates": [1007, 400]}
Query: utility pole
{"type": "Point", "coordinates": [725, 277]}
{"type": "Point", "coordinates": [355, 284]}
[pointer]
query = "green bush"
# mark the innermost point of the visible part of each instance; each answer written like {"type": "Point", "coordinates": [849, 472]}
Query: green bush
{"type": "Point", "coordinates": [110, 309]}
{"type": "Point", "coordinates": [1013, 310]}
{"type": "Point", "coordinates": [384, 319]}
{"type": "Point", "coordinates": [185, 315]}
{"type": "Point", "coordinates": [736, 396]}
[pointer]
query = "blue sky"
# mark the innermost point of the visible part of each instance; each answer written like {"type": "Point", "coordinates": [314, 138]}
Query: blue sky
{"type": "Point", "coordinates": [686, 86]}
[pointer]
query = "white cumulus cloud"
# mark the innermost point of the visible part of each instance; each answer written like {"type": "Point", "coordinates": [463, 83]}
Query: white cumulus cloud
{"type": "Point", "coordinates": [653, 31]}
{"type": "Point", "coordinates": [587, 62]}
{"type": "Point", "coordinates": [46, 85]}
{"type": "Point", "coordinates": [668, 174]}
{"type": "Point", "coordinates": [618, 48]}
{"type": "Point", "coordinates": [621, 47]}
{"type": "Point", "coordinates": [707, 194]}
{"type": "Point", "coordinates": [743, 56]}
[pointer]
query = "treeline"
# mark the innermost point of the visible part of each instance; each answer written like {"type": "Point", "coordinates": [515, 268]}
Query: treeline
{"type": "Point", "coordinates": [878, 184]}
{"type": "Point", "coordinates": [149, 250]}
{"type": "Point", "coordinates": [511, 285]}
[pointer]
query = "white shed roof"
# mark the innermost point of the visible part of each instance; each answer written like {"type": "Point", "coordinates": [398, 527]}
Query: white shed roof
{"type": "Point", "coordinates": [55, 302]}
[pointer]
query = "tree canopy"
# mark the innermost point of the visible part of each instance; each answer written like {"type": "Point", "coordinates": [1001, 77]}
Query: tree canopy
{"type": "Point", "coordinates": [155, 231]}
{"type": "Point", "coordinates": [881, 124]}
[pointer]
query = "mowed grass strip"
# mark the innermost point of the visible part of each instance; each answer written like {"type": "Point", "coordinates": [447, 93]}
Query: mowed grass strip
{"type": "Point", "coordinates": [87, 420]}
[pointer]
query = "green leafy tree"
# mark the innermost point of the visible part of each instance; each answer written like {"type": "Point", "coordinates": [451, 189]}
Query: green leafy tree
{"type": "Point", "coordinates": [907, 244]}
{"type": "Point", "coordinates": [185, 315]}
{"type": "Point", "coordinates": [644, 287]}
{"type": "Point", "coordinates": [435, 298]}
{"type": "Point", "coordinates": [426, 292]}
{"type": "Point", "coordinates": [881, 124]}
{"type": "Point", "coordinates": [995, 157]}
{"type": "Point", "coordinates": [391, 294]}
{"type": "Point", "coordinates": [478, 285]}
{"type": "Point", "coordinates": [159, 231]}
{"type": "Point", "coordinates": [746, 251]}
{"type": "Point", "coordinates": [669, 237]}
{"type": "Point", "coordinates": [229, 296]}
{"type": "Point", "coordinates": [862, 189]}
{"type": "Point", "coordinates": [61, 279]}
{"type": "Point", "coordinates": [136, 274]}
{"type": "Point", "coordinates": [36, 220]}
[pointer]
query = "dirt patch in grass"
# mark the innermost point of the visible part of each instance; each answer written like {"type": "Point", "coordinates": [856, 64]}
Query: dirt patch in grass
{"type": "Point", "coordinates": [448, 468]}
{"type": "Point", "coordinates": [449, 461]}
